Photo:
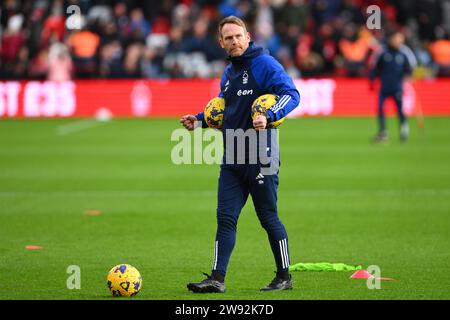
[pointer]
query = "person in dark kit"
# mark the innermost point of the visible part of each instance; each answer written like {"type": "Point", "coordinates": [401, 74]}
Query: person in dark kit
{"type": "Point", "coordinates": [393, 65]}
{"type": "Point", "coordinates": [251, 73]}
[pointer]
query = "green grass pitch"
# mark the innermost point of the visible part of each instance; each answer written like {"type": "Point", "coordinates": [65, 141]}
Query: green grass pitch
{"type": "Point", "coordinates": [341, 198]}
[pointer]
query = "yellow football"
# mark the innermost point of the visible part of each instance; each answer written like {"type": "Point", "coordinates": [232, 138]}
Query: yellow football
{"type": "Point", "coordinates": [261, 104]}
{"type": "Point", "coordinates": [124, 280]}
{"type": "Point", "coordinates": [214, 112]}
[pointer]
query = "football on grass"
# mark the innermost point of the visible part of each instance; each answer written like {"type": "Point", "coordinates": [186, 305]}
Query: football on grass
{"type": "Point", "coordinates": [124, 280]}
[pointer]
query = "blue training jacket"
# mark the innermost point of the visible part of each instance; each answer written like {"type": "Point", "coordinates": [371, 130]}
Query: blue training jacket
{"type": "Point", "coordinates": [249, 76]}
{"type": "Point", "coordinates": [392, 66]}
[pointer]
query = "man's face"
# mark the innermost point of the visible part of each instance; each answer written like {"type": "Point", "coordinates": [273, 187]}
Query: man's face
{"type": "Point", "coordinates": [396, 40]}
{"type": "Point", "coordinates": [234, 39]}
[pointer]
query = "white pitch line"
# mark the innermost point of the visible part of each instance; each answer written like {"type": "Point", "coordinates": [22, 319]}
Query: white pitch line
{"type": "Point", "coordinates": [102, 115]}
{"type": "Point", "coordinates": [78, 126]}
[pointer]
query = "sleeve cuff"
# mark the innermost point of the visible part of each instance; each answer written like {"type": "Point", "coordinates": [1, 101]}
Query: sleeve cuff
{"type": "Point", "coordinates": [201, 117]}
{"type": "Point", "coordinates": [270, 115]}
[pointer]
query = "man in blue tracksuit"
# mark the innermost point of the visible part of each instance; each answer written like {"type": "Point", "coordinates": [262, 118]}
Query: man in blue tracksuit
{"type": "Point", "coordinates": [394, 63]}
{"type": "Point", "coordinates": [251, 73]}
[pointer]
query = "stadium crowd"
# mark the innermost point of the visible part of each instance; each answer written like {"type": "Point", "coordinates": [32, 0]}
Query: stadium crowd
{"type": "Point", "coordinates": [44, 39]}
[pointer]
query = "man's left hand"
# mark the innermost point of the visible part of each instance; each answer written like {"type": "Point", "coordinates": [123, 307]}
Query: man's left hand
{"type": "Point", "coordinates": [260, 122]}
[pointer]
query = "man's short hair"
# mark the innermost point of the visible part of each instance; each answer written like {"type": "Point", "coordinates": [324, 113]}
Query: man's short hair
{"type": "Point", "coordinates": [391, 32]}
{"type": "Point", "coordinates": [233, 20]}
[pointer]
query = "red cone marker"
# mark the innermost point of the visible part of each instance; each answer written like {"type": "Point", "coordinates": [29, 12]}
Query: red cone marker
{"type": "Point", "coordinates": [361, 274]}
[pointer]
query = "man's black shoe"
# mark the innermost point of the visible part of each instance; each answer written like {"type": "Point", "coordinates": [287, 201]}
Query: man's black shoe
{"type": "Point", "coordinates": [279, 284]}
{"type": "Point", "coordinates": [209, 285]}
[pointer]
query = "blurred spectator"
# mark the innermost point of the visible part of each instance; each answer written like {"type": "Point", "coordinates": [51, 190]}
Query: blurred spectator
{"type": "Point", "coordinates": [110, 65]}
{"type": "Point", "coordinates": [181, 17]}
{"type": "Point", "coordinates": [60, 66]}
{"type": "Point", "coordinates": [355, 51]}
{"type": "Point", "coordinates": [159, 38]}
{"type": "Point", "coordinates": [264, 22]}
{"type": "Point", "coordinates": [285, 58]}
{"type": "Point", "coordinates": [157, 44]}
{"type": "Point", "coordinates": [12, 39]}
{"type": "Point", "coordinates": [121, 21]}
{"type": "Point", "coordinates": [20, 68]}
{"type": "Point", "coordinates": [100, 13]}
{"type": "Point", "coordinates": [200, 41]}
{"type": "Point", "coordinates": [326, 46]}
{"type": "Point", "coordinates": [351, 13]}
{"type": "Point", "coordinates": [428, 13]}
{"type": "Point", "coordinates": [294, 13]}
{"type": "Point", "coordinates": [14, 54]}
{"type": "Point", "coordinates": [324, 10]}
{"type": "Point", "coordinates": [38, 67]}
{"type": "Point", "coordinates": [310, 62]}
{"type": "Point", "coordinates": [132, 60]}
{"type": "Point", "coordinates": [109, 32]}
{"type": "Point", "coordinates": [9, 9]}
{"type": "Point", "coordinates": [446, 15]}
{"type": "Point", "coordinates": [424, 57]}
{"type": "Point", "coordinates": [291, 21]}
{"type": "Point", "coordinates": [178, 38]}
{"type": "Point", "coordinates": [35, 27]}
{"type": "Point", "coordinates": [139, 26]}
{"type": "Point", "coordinates": [440, 52]}
{"type": "Point", "coordinates": [54, 25]}
{"type": "Point", "coordinates": [152, 63]}
{"type": "Point", "coordinates": [83, 45]}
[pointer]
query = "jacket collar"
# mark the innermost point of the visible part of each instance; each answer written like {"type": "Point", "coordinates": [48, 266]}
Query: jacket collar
{"type": "Point", "coordinates": [251, 52]}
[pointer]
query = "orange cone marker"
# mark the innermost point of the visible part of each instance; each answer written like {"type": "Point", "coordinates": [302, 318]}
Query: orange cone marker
{"type": "Point", "coordinates": [33, 247]}
{"type": "Point", "coordinates": [361, 274]}
{"type": "Point", "coordinates": [92, 212]}
{"type": "Point", "coordinates": [364, 274]}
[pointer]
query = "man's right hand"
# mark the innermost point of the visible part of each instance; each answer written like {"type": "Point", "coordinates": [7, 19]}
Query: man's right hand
{"type": "Point", "coordinates": [188, 121]}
